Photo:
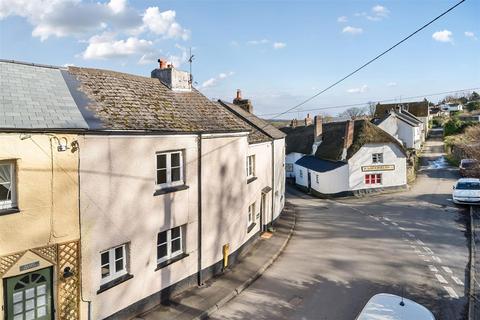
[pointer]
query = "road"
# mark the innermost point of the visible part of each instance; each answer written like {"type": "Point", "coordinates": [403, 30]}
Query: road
{"type": "Point", "coordinates": [345, 251]}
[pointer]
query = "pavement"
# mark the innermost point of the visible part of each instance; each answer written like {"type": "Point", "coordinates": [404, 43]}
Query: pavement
{"type": "Point", "coordinates": [413, 243]}
{"type": "Point", "coordinates": [475, 276]}
{"type": "Point", "coordinates": [200, 302]}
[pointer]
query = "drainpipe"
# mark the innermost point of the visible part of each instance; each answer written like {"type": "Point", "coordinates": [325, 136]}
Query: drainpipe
{"type": "Point", "coordinates": [273, 179]}
{"type": "Point", "coordinates": [199, 220]}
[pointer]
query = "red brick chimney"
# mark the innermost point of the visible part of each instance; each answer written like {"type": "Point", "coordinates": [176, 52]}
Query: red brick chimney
{"type": "Point", "coordinates": [308, 120]}
{"type": "Point", "coordinates": [162, 64]}
{"type": "Point", "coordinates": [317, 128]}
{"type": "Point", "coordinates": [348, 137]}
{"type": "Point", "coordinates": [245, 104]}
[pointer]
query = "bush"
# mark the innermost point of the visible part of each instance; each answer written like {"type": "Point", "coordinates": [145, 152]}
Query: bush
{"type": "Point", "coordinates": [453, 126]}
{"type": "Point", "coordinates": [473, 105]}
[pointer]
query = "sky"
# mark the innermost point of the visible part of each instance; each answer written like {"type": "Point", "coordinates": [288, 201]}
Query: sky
{"type": "Point", "coordinates": [277, 52]}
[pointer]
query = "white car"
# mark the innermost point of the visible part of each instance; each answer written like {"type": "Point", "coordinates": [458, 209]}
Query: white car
{"type": "Point", "coordinates": [384, 306]}
{"type": "Point", "coordinates": [466, 191]}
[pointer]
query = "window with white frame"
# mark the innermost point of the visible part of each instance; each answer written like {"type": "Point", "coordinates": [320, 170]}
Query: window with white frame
{"type": "Point", "coordinates": [373, 178]}
{"type": "Point", "coordinates": [377, 158]}
{"type": "Point", "coordinates": [169, 169]}
{"type": "Point", "coordinates": [113, 263]}
{"type": "Point", "coordinates": [251, 166]}
{"type": "Point", "coordinates": [170, 243]}
{"type": "Point", "coordinates": [7, 185]}
{"type": "Point", "coordinates": [300, 173]}
{"type": "Point", "coordinates": [251, 214]}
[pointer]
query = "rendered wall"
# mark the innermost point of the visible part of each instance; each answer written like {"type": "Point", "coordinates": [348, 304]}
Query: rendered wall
{"type": "Point", "coordinates": [331, 182]}
{"type": "Point", "coordinates": [291, 158]}
{"type": "Point", "coordinates": [279, 177]}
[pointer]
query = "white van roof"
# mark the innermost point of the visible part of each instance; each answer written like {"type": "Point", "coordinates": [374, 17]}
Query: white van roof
{"type": "Point", "coordinates": [384, 306]}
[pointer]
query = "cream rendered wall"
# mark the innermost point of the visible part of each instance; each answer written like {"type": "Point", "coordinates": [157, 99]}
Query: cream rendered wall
{"type": "Point", "coordinates": [291, 158]}
{"type": "Point", "coordinates": [331, 182]}
{"type": "Point", "coordinates": [407, 134]}
{"type": "Point", "coordinates": [47, 215]}
{"type": "Point", "coordinates": [390, 125]}
{"type": "Point", "coordinates": [301, 180]}
{"type": "Point", "coordinates": [391, 155]}
{"type": "Point", "coordinates": [279, 177]}
{"type": "Point", "coordinates": [224, 196]}
{"type": "Point", "coordinates": [118, 206]}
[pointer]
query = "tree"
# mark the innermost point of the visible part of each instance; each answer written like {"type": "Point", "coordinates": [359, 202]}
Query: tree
{"type": "Point", "coordinates": [353, 113]}
{"type": "Point", "coordinates": [474, 96]}
{"type": "Point", "coordinates": [370, 109]}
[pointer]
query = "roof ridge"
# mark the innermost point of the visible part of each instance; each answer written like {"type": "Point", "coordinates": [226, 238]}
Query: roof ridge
{"type": "Point", "coordinates": [32, 64]}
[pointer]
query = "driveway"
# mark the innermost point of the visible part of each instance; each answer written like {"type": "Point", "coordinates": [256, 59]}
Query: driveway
{"type": "Point", "coordinates": [344, 251]}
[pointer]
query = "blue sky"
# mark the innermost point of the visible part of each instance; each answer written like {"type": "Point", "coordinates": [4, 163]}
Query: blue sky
{"type": "Point", "coordinates": [277, 52]}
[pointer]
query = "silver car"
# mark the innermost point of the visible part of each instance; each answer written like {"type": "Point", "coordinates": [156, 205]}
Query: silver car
{"type": "Point", "coordinates": [467, 191]}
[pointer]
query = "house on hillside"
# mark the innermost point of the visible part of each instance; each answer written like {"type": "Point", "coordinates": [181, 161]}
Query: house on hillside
{"type": "Point", "coordinates": [452, 107]}
{"type": "Point", "coordinates": [403, 126]}
{"type": "Point", "coordinates": [345, 158]}
{"type": "Point", "coordinates": [265, 162]}
{"type": "Point", "coordinates": [151, 179]}
{"type": "Point", "coordinates": [419, 109]}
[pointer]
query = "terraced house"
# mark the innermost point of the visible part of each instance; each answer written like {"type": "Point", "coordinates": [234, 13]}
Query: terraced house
{"type": "Point", "coordinates": [166, 181]}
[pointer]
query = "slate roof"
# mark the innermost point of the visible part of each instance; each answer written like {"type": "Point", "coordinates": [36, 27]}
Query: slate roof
{"type": "Point", "coordinates": [418, 109]}
{"type": "Point", "coordinates": [319, 165]}
{"type": "Point", "coordinates": [262, 131]}
{"type": "Point", "coordinates": [404, 116]}
{"type": "Point", "coordinates": [300, 139]}
{"type": "Point", "coordinates": [36, 97]}
{"type": "Point", "coordinates": [120, 101]}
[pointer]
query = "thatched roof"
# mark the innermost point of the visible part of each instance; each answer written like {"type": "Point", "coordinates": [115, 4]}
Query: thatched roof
{"type": "Point", "coordinates": [418, 108]}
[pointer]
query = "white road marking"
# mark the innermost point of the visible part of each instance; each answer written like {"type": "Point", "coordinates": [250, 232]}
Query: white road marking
{"type": "Point", "coordinates": [411, 235]}
{"type": "Point", "coordinates": [395, 224]}
{"type": "Point", "coordinates": [447, 269]}
{"type": "Point", "coordinates": [384, 223]}
{"type": "Point", "coordinates": [432, 268]}
{"type": "Point", "coordinates": [451, 292]}
{"type": "Point", "coordinates": [457, 281]}
{"type": "Point", "coordinates": [427, 260]}
{"type": "Point", "coordinates": [428, 250]}
{"type": "Point", "coordinates": [420, 242]}
{"type": "Point", "coordinates": [386, 218]}
{"type": "Point", "coordinates": [440, 278]}
{"type": "Point", "coordinates": [437, 259]}
{"type": "Point", "coordinates": [402, 228]}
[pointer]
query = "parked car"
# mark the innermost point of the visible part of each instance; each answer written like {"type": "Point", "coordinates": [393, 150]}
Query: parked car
{"type": "Point", "coordinates": [466, 191]}
{"type": "Point", "coordinates": [392, 307]}
{"type": "Point", "coordinates": [469, 168]}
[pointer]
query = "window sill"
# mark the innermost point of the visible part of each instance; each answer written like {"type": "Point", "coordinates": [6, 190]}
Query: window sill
{"type": "Point", "coordinates": [165, 263]}
{"type": "Point", "coordinates": [114, 282]}
{"type": "Point", "coordinates": [170, 189]}
{"type": "Point", "coordinates": [250, 227]}
{"type": "Point", "coordinates": [4, 212]}
{"type": "Point", "coordinates": [249, 180]}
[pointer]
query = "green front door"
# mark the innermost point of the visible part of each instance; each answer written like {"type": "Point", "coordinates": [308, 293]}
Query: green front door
{"type": "Point", "coordinates": [29, 296]}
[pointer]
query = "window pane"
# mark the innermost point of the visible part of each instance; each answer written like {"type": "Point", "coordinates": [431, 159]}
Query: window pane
{"type": "Point", "coordinates": [118, 253]}
{"type": "Point", "coordinates": [175, 232]}
{"type": "Point", "coordinates": [42, 311]}
{"type": "Point", "coordinates": [105, 271]}
{"type": "Point", "coordinates": [162, 237]}
{"type": "Point", "coordinates": [41, 289]}
{"type": "Point", "coordinates": [162, 251]}
{"type": "Point", "coordinates": [119, 265]}
{"type": "Point", "coordinates": [161, 161]}
{"type": "Point", "coordinates": [175, 245]}
{"type": "Point", "coordinates": [104, 258]}
{"type": "Point", "coordinates": [17, 308]}
{"type": "Point", "coordinates": [5, 193]}
{"type": "Point", "coordinates": [5, 173]}
{"type": "Point", "coordinates": [175, 174]}
{"type": "Point", "coordinates": [161, 176]}
{"type": "Point", "coordinates": [175, 159]}
{"type": "Point", "coordinates": [41, 301]}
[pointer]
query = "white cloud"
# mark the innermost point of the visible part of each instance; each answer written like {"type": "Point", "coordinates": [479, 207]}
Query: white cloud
{"type": "Point", "coordinates": [163, 23]}
{"type": "Point", "coordinates": [362, 89]}
{"type": "Point", "coordinates": [342, 19]}
{"type": "Point", "coordinates": [378, 13]}
{"type": "Point", "coordinates": [257, 42]}
{"type": "Point", "coordinates": [234, 43]}
{"type": "Point", "coordinates": [279, 45]}
{"type": "Point", "coordinates": [215, 80]}
{"type": "Point", "coordinates": [105, 46]}
{"type": "Point", "coordinates": [443, 36]}
{"type": "Point", "coordinates": [352, 30]}
{"type": "Point", "coordinates": [117, 6]}
{"type": "Point", "coordinates": [470, 34]}
{"type": "Point", "coordinates": [391, 84]}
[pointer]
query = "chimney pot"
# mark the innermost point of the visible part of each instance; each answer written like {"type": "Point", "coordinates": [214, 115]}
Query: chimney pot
{"type": "Point", "coordinates": [245, 104]}
{"type": "Point", "coordinates": [239, 94]}
{"type": "Point", "coordinates": [162, 63]}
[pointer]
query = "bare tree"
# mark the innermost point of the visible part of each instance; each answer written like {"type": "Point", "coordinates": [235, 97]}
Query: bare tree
{"type": "Point", "coordinates": [370, 109]}
{"type": "Point", "coordinates": [353, 113]}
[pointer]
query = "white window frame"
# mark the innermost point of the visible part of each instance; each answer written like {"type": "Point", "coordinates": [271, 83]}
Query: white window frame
{"type": "Point", "coordinates": [375, 183]}
{"type": "Point", "coordinates": [251, 166]}
{"type": "Point", "coordinates": [9, 204]}
{"type": "Point", "coordinates": [171, 254]}
{"type": "Point", "coordinates": [251, 214]}
{"type": "Point", "coordinates": [111, 264]}
{"type": "Point", "coordinates": [377, 157]}
{"type": "Point", "coordinates": [168, 163]}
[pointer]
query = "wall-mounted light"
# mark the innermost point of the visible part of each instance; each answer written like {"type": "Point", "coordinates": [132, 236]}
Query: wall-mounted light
{"type": "Point", "coordinates": [67, 273]}
{"type": "Point", "coordinates": [62, 143]}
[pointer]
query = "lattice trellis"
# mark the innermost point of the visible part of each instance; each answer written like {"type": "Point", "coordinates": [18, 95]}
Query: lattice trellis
{"type": "Point", "coordinates": [69, 288]}
{"type": "Point", "coordinates": [49, 253]}
{"type": "Point", "coordinates": [6, 262]}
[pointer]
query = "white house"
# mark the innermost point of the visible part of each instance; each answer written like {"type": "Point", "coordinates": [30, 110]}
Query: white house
{"type": "Point", "coordinates": [403, 126]}
{"type": "Point", "coordinates": [418, 109]}
{"type": "Point", "coordinates": [452, 107]}
{"type": "Point", "coordinates": [348, 158]}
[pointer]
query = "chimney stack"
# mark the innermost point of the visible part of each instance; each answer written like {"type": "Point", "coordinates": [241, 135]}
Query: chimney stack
{"type": "Point", "coordinates": [245, 104]}
{"type": "Point", "coordinates": [317, 128]}
{"type": "Point", "coordinates": [348, 138]}
{"type": "Point", "coordinates": [176, 80]}
{"type": "Point", "coordinates": [308, 120]}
